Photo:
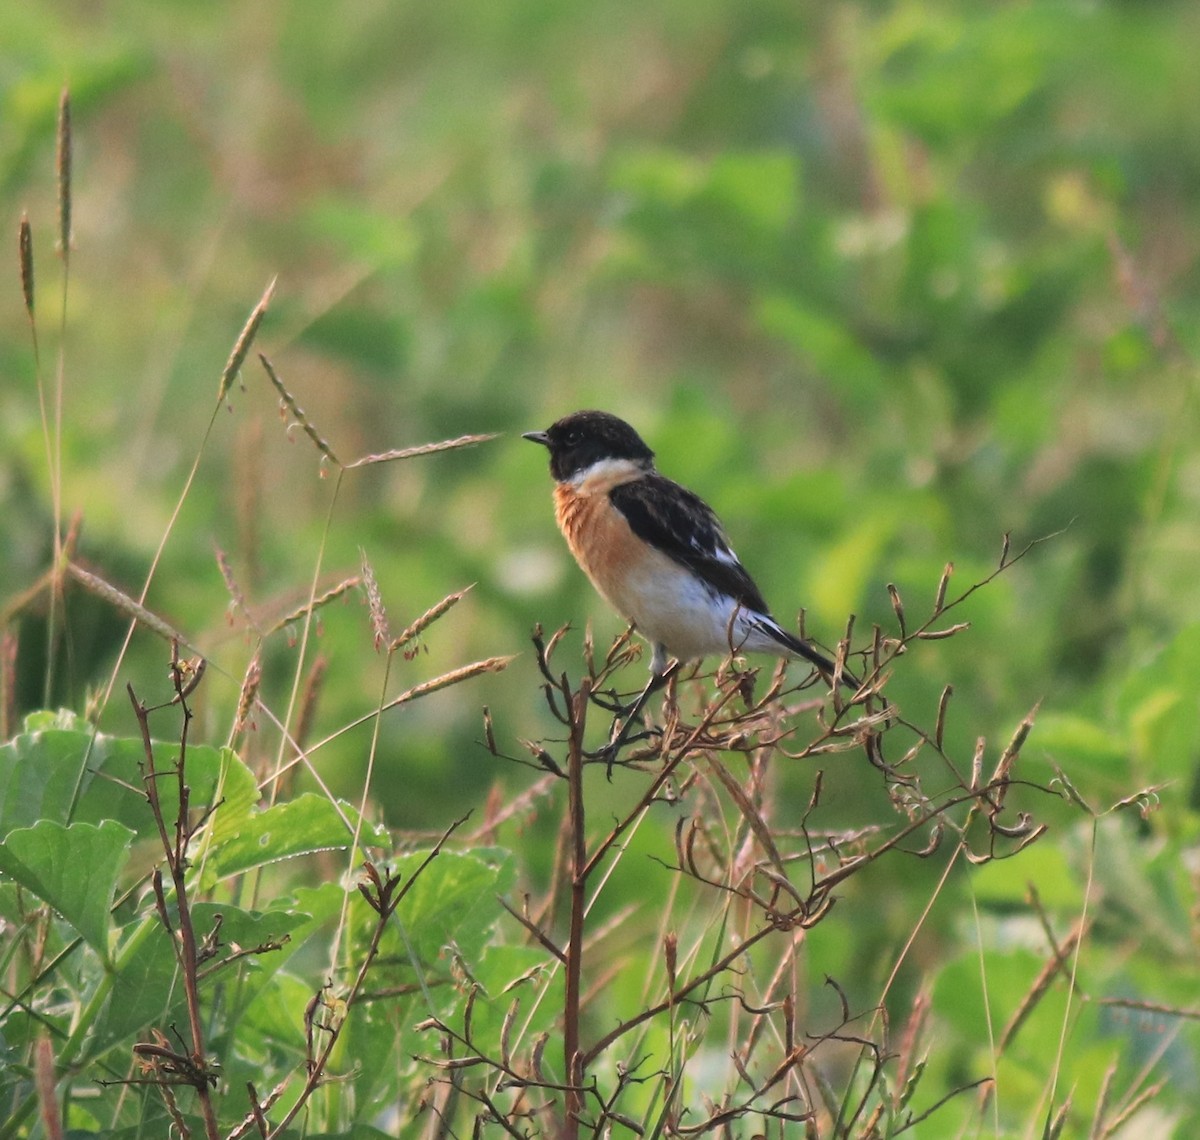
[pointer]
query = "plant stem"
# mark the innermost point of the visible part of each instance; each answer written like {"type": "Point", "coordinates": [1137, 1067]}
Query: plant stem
{"type": "Point", "coordinates": [572, 1057]}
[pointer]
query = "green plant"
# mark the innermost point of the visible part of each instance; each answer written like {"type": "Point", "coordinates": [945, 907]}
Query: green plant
{"type": "Point", "coordinates": [691, 896]}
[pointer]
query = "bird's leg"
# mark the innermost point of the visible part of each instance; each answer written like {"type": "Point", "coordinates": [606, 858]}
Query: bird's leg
{"type": "Point", "coordinates": [658, 678]}
{"type": "Point", "coordinates": [610, 701]}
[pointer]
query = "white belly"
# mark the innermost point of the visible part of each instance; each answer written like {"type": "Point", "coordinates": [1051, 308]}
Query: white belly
{"type": "Point", "coordinates": [672, 608]}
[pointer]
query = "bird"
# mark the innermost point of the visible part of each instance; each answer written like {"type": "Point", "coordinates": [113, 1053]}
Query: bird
{"type": "Point", "coordinates": [656, 552]}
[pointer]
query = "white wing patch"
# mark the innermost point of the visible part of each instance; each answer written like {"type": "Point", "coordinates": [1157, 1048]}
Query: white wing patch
{"type": "Point", "coordinates": [722, 553]}
{"type": "Point", "coordinates": [717, 548]}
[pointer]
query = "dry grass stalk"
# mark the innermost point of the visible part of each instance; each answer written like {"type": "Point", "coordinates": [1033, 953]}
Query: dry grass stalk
{"type": "Point", "coordinates": [8, 684]}
{"type": "Point", "coordinates": [94, 584]}
{"type": "Point", "coordinates": [908, 1064]}
{"type": "Point", "coordinates": [939, 601]}
{"type": "Point", "coordinates": [1126, 1113]}
{"type": "Point", "coordinates": [379, 621]}
{"type": "Point", "coordinates": [290, 407]}
{"type": "Point", "coordinates": [428, 618]}
{"type": "Point", "coordinates": [334, 592]}
{"type": "Point", "coordinates": [248, 473]}
{"type": "Point", "coordinates": [237, 597]}
{"type": "Point", "coordinates": [1058, 961]}
{"type": "Point", "coordinates": [193, 1066]}
{"type": "Point", "coordinates": [25, 257]}
{"type": "Point", "coordinates": [248, 694]}
{"type": "Point", "coordinates": [43, 1067]}
{"type": "Point", "coordinates": [897, 608]}
{"type": "Point", "coordinates": [64, 175]}
{"type": "Point", "coordinates": [1008, 757]}
{"type": "Point", "coordinates": [309, 699]}
{"type": "Point", "coordinates": [939, 732]}
{"type": "Point", "coordinates": [942, 634]}
{"type": "Point", "coordinates": [421, 449]}
{"type": "Point", "coordinates": [245, 339]}
{"type": "Point", "coordinates": [454, 677]}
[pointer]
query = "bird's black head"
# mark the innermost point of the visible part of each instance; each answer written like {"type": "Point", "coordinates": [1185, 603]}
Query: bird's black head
{"type": "Point", "coordinates": [583, 438]}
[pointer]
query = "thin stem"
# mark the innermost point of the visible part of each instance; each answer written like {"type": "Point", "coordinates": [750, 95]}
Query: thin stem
{"type": "Point", "coordinates": [176, 856]}
{"type": "Point", "coordinates": [572, 1057]}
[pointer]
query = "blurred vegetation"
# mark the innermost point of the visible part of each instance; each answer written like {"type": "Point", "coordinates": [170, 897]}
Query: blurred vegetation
{"type": "Point", "coordinates": [882, 281]}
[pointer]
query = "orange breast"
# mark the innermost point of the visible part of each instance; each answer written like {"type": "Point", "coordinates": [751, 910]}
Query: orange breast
{"type": "Point", "coordinates": [670, 606]}
{"type": "Point", "coordinates": [602, 543]}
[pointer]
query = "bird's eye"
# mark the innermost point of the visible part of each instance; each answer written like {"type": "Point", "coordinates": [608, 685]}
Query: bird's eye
{"type": "Point", "coordinates": [572, 438]}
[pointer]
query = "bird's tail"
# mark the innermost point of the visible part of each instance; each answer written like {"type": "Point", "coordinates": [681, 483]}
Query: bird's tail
{"type": "Point", "coordinates": [814, 657]}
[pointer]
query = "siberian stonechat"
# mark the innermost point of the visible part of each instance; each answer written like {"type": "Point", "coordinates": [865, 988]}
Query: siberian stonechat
{"type": "Point", "coordinates": [655, 551]}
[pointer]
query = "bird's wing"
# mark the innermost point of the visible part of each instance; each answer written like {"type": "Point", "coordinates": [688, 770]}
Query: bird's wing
{"type": "Point", "coordinates": [683, 526]}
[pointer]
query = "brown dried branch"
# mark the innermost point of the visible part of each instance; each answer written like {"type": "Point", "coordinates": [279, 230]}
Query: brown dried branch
{"type": "Point", "coordinates": [194, 1069]}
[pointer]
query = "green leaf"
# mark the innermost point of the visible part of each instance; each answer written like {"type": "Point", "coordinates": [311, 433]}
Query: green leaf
{"type": "Point", "coordinates": [245, 929]}
{"type": "Point", "coordinates": [284, 927]}
{"type": "Point", "coordinates": [67, 774]}
{"type": "Point", "coordinates": [236, 790]}
{"type": "Point", "coordinates": [72, 869]}
{"type": "Point", "coordinates": [967, 991]}
{"type": "Point", "coordinates": [515, 973]}
{"type": "Point", "coordinates": [307, 824]}
{"type": "Point", "coordinates": [146, 988]}
{"type": "Point", "coordinates": [454, 900]}
{"type": "Point", "coordinates": [758, 188]}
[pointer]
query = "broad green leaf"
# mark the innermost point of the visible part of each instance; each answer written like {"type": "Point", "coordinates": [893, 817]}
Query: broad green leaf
{"type": "Point", "coordinates": [305, 825]}
{"type": "Point", "coordinates": [270, 998]}
{"type": "Point", "coordinates": [244, 929]}
{"type": "Point", "coordinates": [147, 988]}
{"type": "Point", "coordinates": [240, 930]}
{"type": "Point", "coordinates": [446, 916]}
{"type": "Point", "coordinates": [69, 774]}
{"type": "Point", "coordinates": [453, 902]}
{"type": "Point", "coordinates": [758, 187]}
{"type": "Point", "coordinates": [237, 792]}
{"type": "Point", "coordinates": [72, 869]}
{"type": "Point", "coordinates": [1158, 703]}
{"type": "Point", "coordinates": [524, 974]}
{"type": "Point", "coordinates": [660, 176]}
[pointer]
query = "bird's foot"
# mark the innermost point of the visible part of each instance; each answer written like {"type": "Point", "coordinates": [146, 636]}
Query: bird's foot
{"type": "Point", "coordinates": [625, 720]}
{"type": "Point", "coordinates": [609, 754]}
{"type": "Point", "coordinates": [612, 702]}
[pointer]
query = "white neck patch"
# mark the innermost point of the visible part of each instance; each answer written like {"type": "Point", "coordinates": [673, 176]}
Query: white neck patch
{"type": "Point", "coordinates": [605, 474]}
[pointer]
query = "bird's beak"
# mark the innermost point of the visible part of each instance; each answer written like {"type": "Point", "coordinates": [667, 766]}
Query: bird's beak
{"type": "Point", "coordinates": [537, 437]}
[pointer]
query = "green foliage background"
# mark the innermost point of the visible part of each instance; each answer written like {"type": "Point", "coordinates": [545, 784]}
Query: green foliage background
{"type": "Point", "coordinates": [882, 281]}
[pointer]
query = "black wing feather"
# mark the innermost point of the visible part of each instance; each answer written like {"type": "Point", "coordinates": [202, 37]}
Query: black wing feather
{"type": "Point", "coordinates": [683, 526]}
